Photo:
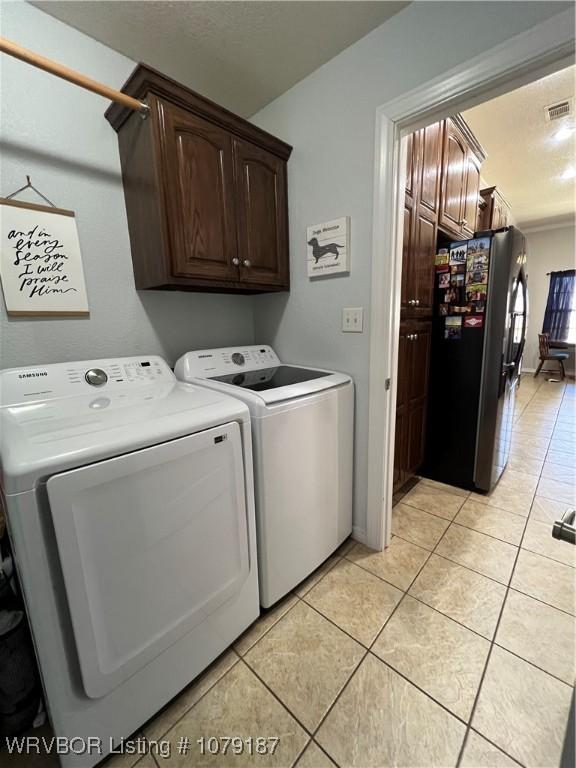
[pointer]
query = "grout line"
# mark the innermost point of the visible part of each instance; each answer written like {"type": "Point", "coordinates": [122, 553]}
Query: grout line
{"type": "Point", "coordinates": [299, 755]}
{"type": "Point", "coordinates": [493, 641]}
{"type": "Point", "coordinates": [543, 602]}
{"type": "Point", "coordinates": [285, 598]}
{"type": "Point", "coordinates": [196, 680]}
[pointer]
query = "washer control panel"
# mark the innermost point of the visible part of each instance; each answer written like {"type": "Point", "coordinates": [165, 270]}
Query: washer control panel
{"type": "Point", "coordinates": [205, 363]}
{"type": "Point", "coordinates": [19, 385]}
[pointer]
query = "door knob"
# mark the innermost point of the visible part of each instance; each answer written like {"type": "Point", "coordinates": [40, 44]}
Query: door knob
{"type": "Point", "coordinates": [246, 262]}
{"type": "Point", "coordinates": [235, 262]}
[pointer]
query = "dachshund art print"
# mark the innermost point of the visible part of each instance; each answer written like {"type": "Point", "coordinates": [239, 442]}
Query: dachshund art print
{"type": "Point", "coordinates": [318, 251]}
{"type": "Point", "coordinates": [328, 248]}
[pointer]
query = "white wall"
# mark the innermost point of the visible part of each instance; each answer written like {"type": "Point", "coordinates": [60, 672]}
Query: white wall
{"type": "Point", "coordinates": [548, 250]}
{"type": "Point", "coordinates": [57, 133]}
{"type": "Point", "coordinates": [329, 119]}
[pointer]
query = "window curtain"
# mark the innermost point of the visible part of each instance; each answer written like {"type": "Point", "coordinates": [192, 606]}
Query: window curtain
{"type": "Point", "coordinates": [560, 304]}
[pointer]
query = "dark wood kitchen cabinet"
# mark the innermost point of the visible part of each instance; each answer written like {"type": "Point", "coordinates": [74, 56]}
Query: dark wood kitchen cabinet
{"type": "Point", "coordinates": [420, 220]}
{"type": "Point", "coordinates": [262, 227]}
{"type": "Point", "coordinates": [494, 211]}
{"type": "Point", "coordinates": [205, 191]}
{"type": "Point", "coordinates": [462, 158]}
{"type": "Point", "coordinates": [411, 398]}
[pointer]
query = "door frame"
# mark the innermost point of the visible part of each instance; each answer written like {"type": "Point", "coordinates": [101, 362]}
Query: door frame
{"type": "Point", "coordinates": [524, 58]}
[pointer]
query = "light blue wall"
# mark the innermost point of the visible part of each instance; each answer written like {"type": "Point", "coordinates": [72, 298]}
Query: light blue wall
{"type": "Point", "coordinates": [57, 133]}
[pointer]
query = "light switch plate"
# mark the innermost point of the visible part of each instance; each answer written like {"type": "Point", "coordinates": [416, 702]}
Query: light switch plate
{"type": "Point", "coordinates": [352, 319]}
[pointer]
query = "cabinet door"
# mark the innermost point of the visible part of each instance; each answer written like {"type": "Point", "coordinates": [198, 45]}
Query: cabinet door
{"type": "Point", "coordinates": [501, 212]}
{"type": "Point", "coordinates": [419, 356]}
{"type": "Point", "coordinates": [262, 216]}
{"type": "Point", "coordinates": [400, 444]}
{"type": "Point", "coordinates": [411, 157]}
{"type": "Point", "coordinates": [198, 181]}
{"type": "Point", "coordinates": [403, 367]}
{"type": "Point", "coordinates": [471, 197]}
{"type": "Point", "coordinates": [407, 285]}
{"type": "Point", "coordinates": [418, 346]}
{"type": "Point", "coordinates": [400, 439]}
{"type": "Point", "coordinates": [416, 437]}
{"type": "Point", "coordinates": [430, 166]}
{"type": "Point", "coordinates": [453, 178]}
{"type": "Point", "coordinates": [422, 264]}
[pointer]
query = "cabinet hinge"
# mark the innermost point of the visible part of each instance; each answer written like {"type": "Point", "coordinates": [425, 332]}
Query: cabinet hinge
{"type": "Point", "coordinates": [387, 384]}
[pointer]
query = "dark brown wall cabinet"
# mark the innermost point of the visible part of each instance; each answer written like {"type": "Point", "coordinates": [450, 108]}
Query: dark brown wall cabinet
{"type": "Point", "coordinates": [462, 157]}
{"type": "Point", "coordinates": [420, 219]}
{"type": "Point", "coordinates": [205, 192]}
{"type": "Point", "coordinates": [493, 210]}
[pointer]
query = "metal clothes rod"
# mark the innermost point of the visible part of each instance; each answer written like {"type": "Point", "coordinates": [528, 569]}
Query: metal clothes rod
{"type": "Point", "coordinates": [18, 52]}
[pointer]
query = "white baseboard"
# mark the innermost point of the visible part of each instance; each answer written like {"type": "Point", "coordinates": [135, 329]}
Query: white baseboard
{"type": "Point", "coordinates": [359, 534]}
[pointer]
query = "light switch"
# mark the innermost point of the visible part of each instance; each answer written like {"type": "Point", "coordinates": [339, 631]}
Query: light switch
{"type": "Point", "coordinates": [352, 319]}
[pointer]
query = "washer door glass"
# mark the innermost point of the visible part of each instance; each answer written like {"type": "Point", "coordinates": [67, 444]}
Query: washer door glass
{"type": "Point", "coordinates": [150, 544]}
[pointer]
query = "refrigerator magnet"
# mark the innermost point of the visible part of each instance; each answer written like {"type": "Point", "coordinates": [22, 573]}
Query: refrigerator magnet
{"type": "Point", "coordinates": [478, 276]}
{"type": "Point", "coordinates": [474, 321]}
{"type": "Point", "coordinates": [476, 292]}
{"type": "Point", "coordinates": [453, 327]}
{"type": "Point", "coordinates": [458, 252]}
{"type": "Point", "coordinates": [444, 280]}
{"type": "Point", "coordinates": [442, 258]}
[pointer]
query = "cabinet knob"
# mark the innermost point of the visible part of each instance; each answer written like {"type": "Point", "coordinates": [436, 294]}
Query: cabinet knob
{"type": "Point", "coordinates": [417, 302]}
{"type": "Point", "coordinates": [235, 262]}
{"type": "Point", "coordinates": [246, 262]}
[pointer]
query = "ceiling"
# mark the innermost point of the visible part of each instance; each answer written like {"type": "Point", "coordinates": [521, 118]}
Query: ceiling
{"type": "Point", "coordinates": [240, 54]}
{"type": "Point", "coordinates": [526, 158]}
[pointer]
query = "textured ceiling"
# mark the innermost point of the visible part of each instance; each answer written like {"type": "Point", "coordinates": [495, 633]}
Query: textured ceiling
{"type": "Point", "coordinates": [240, 54]}
{"type": "Point", "coordinates": [525, 158]}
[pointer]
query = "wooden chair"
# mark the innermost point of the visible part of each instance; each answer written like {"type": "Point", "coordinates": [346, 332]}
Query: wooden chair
{"type": "Point", "coordinates": [546, 354]}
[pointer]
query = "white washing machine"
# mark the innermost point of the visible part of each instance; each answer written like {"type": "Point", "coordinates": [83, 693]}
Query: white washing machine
{"type": "Point", "coordinates": [131, 516]}
{"type": "Point", "coordinates": [303, 433]}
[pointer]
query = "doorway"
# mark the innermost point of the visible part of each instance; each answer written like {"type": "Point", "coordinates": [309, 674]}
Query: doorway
{"type": "Point", "coordinates": [528, 57]}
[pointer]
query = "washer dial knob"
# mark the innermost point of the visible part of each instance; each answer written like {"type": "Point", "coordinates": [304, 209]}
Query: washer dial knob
{"type": "Point", "coordinates": [96, 377]}
{"type": "Point", "coordinates": [238, 358]}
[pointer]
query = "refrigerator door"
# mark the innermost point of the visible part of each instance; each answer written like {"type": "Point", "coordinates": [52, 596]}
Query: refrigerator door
{"type": "Point", "coordinates": [503, 346]}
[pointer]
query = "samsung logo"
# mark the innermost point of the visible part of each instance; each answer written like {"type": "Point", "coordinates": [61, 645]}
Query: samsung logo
{"type": "Point", "coordinates": [34, 375]}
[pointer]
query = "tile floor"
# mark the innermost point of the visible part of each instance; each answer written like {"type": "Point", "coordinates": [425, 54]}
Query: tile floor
{"type": "Point", "coordinates": [454, 647]}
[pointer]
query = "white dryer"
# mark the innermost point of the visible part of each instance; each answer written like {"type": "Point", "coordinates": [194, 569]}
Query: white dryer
{"type": "Point", "coordinates": [131, 515]}
{"type": "Point", "coordinates": [303, 433]}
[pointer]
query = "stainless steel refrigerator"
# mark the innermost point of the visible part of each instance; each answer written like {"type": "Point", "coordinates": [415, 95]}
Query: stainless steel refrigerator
{"type": "Point", "coordinates": [478, 334]}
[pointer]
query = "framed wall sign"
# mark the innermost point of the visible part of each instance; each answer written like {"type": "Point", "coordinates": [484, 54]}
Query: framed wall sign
{"type": "Point", "coordinates": [40, 261]}
{"type": "Point", "coordinates": [328, 248]}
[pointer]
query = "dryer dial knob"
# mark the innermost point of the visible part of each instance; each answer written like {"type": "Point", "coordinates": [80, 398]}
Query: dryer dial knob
{"type": "Point", "coordinates": [238, 358]}
{"type": "Point", "coordinates": [96, 377]}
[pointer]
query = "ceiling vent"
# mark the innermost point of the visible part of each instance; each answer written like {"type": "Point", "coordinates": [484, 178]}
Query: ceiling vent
{"type": "Point", "coordinates": [558, 110]}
